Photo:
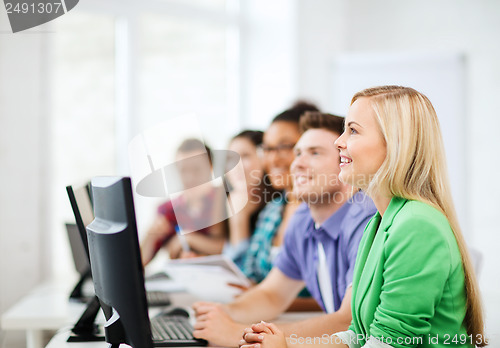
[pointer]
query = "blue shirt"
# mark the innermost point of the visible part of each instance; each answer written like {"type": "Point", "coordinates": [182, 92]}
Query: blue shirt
{"type": "Point", "coordinates": [340, 235]}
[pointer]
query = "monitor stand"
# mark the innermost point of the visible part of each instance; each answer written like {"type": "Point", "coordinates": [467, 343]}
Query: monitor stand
{"type": "Point", "coordinates": [85, 330]}
{"type": "Point", "coordinates": [77, 293]}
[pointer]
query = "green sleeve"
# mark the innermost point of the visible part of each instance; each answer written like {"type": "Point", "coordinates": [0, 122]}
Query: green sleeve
{"type": "Point", "coordinates": [416, 268]}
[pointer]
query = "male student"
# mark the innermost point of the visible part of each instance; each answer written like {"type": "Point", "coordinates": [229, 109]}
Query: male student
{"type": "Point", "coordinates": [319, 250]}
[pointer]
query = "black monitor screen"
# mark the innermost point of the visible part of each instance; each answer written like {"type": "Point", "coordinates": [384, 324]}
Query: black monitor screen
{"type": "Point", "coordinates": [81, 205]}
{"type": "Point", "coordinates": [116, 262]}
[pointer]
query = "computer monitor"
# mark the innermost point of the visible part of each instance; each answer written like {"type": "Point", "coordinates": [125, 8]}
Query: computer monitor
{"type": "Point", "coordinates": [78, 250]}
{"type": "Point", "coordinates": [81, 204]}
{"type": "Point", "coordinates": [77, 236]}
{"type": "Point", "coordinates": [116, 263]}
{"type": "Point", "coordinates": [84, 329]}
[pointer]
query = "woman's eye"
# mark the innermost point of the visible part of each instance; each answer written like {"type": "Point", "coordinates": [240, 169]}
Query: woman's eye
{"type": "Point", "coordinates": [352, 130]}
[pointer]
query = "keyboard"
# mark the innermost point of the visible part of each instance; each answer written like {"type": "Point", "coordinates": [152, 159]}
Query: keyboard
{"type": "Point", "coordinates": [174, 331]}
{"type": "Point", "coordinates": [158, 298]}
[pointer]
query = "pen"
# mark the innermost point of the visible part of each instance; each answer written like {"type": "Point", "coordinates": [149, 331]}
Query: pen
{"type": "Point", "coordinates": [182, 238]}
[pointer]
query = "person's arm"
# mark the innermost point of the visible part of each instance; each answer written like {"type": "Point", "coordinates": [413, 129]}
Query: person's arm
{"type": "Point", "coordinates": [239, 227]}
{"type": "Point", "coordinates": [268, 335]}
{"type": "Point", "coordinates": [420, 256]}
{"type": "Point", "coordinates": [239, 223]}
{"type": "Point", "coordinates": [157, 233]}
{"type": "Point", "coordinates": [320, 325]}
{"type": "Point", "coordinates": [212, 242]}
{"type": "Point", "coordinates": [222, 324]}
{"type": "Point", "coordinates": [267, 300]}
{"type": "Point", "coordinates": [205, 244]}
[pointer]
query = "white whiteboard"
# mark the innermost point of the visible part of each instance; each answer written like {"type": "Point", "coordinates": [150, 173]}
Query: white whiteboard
{"type": "Point", "coordinates": [440, 76]}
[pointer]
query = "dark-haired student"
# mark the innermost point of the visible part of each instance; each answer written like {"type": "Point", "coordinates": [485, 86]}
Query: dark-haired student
{"type": "Point", "coordinates": [319, 249]}
{"type": "Point", "coordinates": [250, 186]}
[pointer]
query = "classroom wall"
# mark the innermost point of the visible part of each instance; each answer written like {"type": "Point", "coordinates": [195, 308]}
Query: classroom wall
{"type": "Point", "coordinates": [24, 257]}
{"type": "Point", "coordinates": [322, 32]}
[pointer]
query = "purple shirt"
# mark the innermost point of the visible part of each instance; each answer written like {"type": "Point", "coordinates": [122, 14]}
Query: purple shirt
{"type": "Point", "coordinates": [340, 235]}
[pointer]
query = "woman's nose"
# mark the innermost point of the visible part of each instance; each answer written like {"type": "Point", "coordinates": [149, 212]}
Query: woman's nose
{"type": "Point", "coordinates": [340, 143]}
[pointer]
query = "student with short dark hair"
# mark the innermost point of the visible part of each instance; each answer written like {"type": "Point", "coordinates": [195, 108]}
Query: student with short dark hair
{"type": "Point", "coordinates": [277, 147]}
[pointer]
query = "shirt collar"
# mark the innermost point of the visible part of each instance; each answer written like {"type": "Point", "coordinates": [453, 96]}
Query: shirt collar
{"type": "Point", "coordinates": [393, 208]}
{"type": "Point", "coordinates": [332, 225]}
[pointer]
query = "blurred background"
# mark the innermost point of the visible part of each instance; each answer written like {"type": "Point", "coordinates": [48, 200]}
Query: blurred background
{"type": "Point", "coordinates": [75, 91]}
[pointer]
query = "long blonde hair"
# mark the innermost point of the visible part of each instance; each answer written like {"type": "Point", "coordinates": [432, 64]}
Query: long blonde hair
{"type": "Point", "coordinates": [415, 168]}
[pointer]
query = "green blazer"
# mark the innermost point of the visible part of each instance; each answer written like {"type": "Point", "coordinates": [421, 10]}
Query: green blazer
{"type": "Point", "coordinates": [408, 285]}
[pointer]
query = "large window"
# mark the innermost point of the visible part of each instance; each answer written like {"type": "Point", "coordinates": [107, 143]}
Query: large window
{"type": "Point", "coordinates": [182, 68]}
{"type": "Point", "coordinates": [82, 134]}
{"type": "Point", "coordinates": [116, 71]}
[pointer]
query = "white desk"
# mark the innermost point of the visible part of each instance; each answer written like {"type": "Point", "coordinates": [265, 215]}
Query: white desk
{"type": "Point", "coordinates": [47, 308]}
{"type": "Point", "coordinates": [60, 340]}
{"type": "Point", "coordinates": [43, 309]}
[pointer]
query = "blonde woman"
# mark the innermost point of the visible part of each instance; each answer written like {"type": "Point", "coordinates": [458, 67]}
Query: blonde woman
{"type": "Point", "coordinates": [413, 285]}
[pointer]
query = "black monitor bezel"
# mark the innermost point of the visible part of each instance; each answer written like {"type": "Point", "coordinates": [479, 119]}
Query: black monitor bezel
{"type": "Point", "coordinates": [118, 330]}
